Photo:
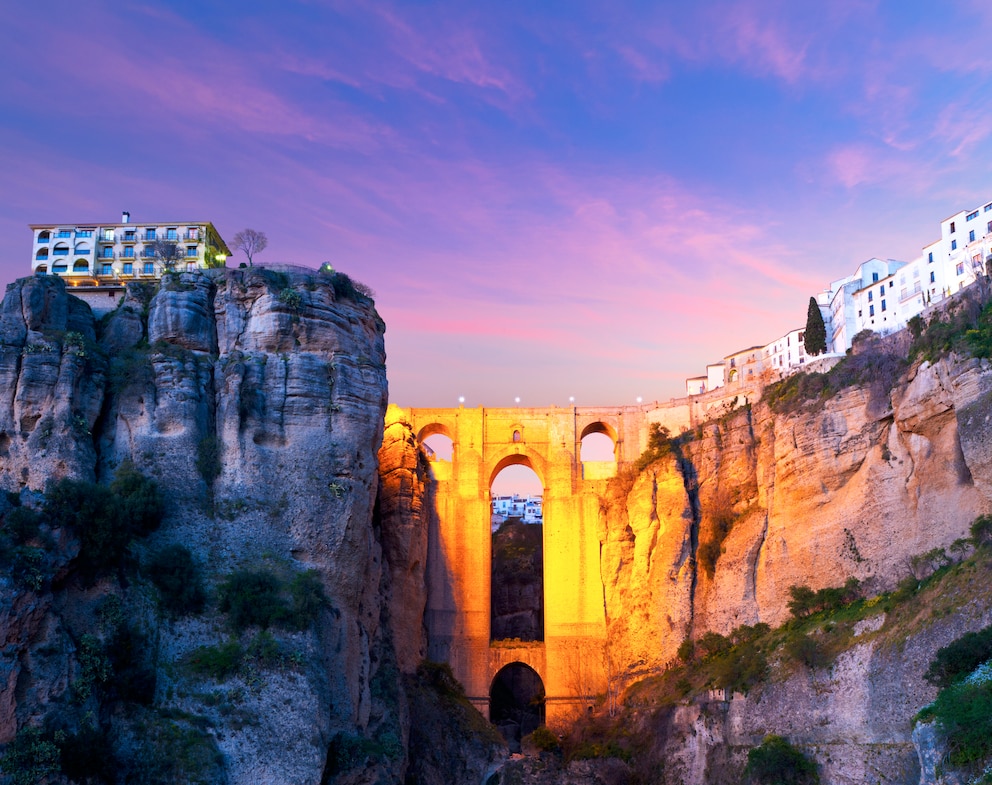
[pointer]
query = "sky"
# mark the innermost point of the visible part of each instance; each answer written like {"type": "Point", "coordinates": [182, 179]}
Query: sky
{"type": "Point", "coordinates": [551, 200]}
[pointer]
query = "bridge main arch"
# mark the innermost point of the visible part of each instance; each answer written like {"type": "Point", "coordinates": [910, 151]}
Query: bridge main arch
{"type": "Point", "coordinates": [570, 659]}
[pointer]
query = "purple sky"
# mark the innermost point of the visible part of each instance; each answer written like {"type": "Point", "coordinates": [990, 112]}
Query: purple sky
{"type": "Point", "coordinates": [550, 199]}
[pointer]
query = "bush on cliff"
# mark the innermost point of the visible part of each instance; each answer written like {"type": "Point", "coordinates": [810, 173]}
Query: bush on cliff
{"type": "Point", "coordinates": [177, 577]}
{"type": "Point", "coordinates": [259, 598]}
{"type": "Point", "coordinates": [956, 660]}
{"type": "Point", "coordinates": [104, 519]}
{"type": "Point", "coordinates": [777, 762]}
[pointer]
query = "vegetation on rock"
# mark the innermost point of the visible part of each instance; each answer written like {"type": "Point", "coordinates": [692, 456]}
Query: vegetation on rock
{"type": "Point", "coordinates": [777, 762]}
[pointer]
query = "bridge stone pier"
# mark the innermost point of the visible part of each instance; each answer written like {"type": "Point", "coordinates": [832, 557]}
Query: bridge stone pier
{"type": "Point", "coordinates": [570, 659]}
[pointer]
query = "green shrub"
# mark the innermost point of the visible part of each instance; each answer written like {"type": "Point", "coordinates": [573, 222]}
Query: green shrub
{"type": "Point", "coordinates": [776, 762]}
{"type": "Point", "coordinates": [981, 529]}
{"type": "Point", "coordinates": [956, 660]}
{"type": "Point", "coordinates": [743, 667]}
{"type": "Point", "coordinates": [687, 651]}
{"type": "Point", "coordinates": [30, 758]}
{"type": "Point", "coordinates": [659, 446]}
{"type": "Point", "coordinates": [217, 662]}
{"type": "Point", "coordinates": [140, 500]}
{"type": "Point", "coordinates": [252, 598]}
{"type": "Point", "coordinates": [963, 713]}
{"type": "Point", "coordinates": [208, 461]}
{"type": "Point", "coordinates": [134, 677]}
{"type": "Point", "coordinates": [543, 739]}
{"type": "Point", "coordinates": [293, 300]}
{"type": "Point", "coordinates": [307, 599]}
{"type": "Point", "coordinates": [707, 554]}
{"type": "Point", "coordinates": [807, 650]}
{"type": "Point", "coordinates": [27, 565]}
{"type": "Point", "coordinates": [106, 520]}
{"type": "Point", "coordinates": [713, 644]}
{"type": "Point", "coordinates": [177, 577]}
{"type": "Point", "coordinates": [95, 667]}
{"type": "Point", "coordinates": [21, 525]}
{"type": "Point", "coordinates": [804, 601]}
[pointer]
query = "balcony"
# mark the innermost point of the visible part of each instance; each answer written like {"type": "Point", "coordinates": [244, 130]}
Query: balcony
{"type": "Point", "coordinates": [108, 238]}
{"type": "Point", "coordinates": [129, 237]}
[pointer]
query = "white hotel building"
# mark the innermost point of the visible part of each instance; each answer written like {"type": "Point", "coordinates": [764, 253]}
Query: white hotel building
{"type": "Point", "coordinates": [100, 258]}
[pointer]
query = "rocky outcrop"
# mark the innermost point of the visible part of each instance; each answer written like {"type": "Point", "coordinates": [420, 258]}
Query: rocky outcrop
{"type": "Point", "coordinates": [853, 486]}
{"type": "Point", "coordinates": [405, 510]}
{"type": "Point", "coordinates": [255, 398]}
{"type": "Point", "coordinates": [846, 489]}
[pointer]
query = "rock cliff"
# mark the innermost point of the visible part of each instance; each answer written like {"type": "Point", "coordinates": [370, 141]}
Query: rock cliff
{"type": "Point", "coordinates": [712, 537]}
{"type": "Point", "coordinates": [255, 399]}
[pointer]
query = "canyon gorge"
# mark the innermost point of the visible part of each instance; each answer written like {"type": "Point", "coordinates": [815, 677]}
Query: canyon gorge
{"type": "Point", "coordinates": [256, 400]}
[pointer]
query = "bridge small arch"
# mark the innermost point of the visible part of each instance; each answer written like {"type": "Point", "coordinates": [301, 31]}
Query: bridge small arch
{"type": "Point", "coordinates": [516, 702]}
{"type": "Point", "coordinates": [525, 457]}
{"type": "Point", "coordinates": [433, 428]}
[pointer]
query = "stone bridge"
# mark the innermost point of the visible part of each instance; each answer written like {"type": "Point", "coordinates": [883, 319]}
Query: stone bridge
{"type": "Point", "coordinates": [570, 659]}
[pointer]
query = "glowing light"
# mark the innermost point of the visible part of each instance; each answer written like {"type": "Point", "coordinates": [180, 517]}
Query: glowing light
{"type": "Point", "coordinates": [571, 399]}
{"type": "Point", "coordinates": [639, 399]}
{"type": "Point", "coordinates": [461, 399]}
{"type": "Point", "coordinates": [517, 399]}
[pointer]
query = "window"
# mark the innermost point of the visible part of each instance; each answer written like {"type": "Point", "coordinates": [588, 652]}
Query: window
{"type": "Point", "coordinates": [106, 253]}
{"type": "Point", "coordinates": [190, 251]}
{"type": "Point", "coordinates": [59, 268]}
{"type": "Point", "coordinates": [890, 285]}
{"type": "Point", "coordinates": [916, 287]}
{"type": "Point", "coordinates": [128, 268]}
{"type": "Point", "coordinates": [971, 236]}
{"type": "Point", "coordinates": [802, 337]}
{"type": "Point", "coordinates": [988, 207]}
{"type": "Point", "coordinates": [130, 236]}
{"type": "Point", "coordinates": [63, 233]}
{"type": "Point", "coordinates": [171, 234]}
{"type": "Point", "coordinates": [874, 277]}
{"type": "Point", "coordinates": [128, 252]}
{"type": "Point", "coordinates": [930, 258]}
{"type": "Point", "coordinates": [932, 277]}
{"type": "Point", "coordinates": [988, 229]}
{"type": "Point", "coordinates": [883, 305]}
{"type": "Point", "coordinates": [42, 254]}
{"type": "Point", "coordinates": [903, 291]}
{"type": "Point", "coordinates": [871, 296]}
{"type": "Point", "coordinates": [871, 310]}
{"type": "Point", "coordinates": [61, 250]}
{"type": "Point", "coordinates": [44, 237]}
{"type": "Point", "coordinates": [960, 268]}
{"type": "Point", "coordinates": [84, 233]}
{"type": "Point", "coordinates": [148, 268]}
{"type": "Point", "coordinates": [192, 234]}
{"type": "Point", "coordinates": [150, 234]}
{"type": "Point", "coordinates": [954, 245]}
{"type": "Point", "coordinates": [952, 227]}
{"type": "Point", "coordinates": [108, 234]}
{"type": "Point", "coordinates": [106, 269]}
{"type": "Point", "coordinates": [972, 216]}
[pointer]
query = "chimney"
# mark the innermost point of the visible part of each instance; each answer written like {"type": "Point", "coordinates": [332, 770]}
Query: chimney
{"type": "Point", "coordinates": [125, 217]}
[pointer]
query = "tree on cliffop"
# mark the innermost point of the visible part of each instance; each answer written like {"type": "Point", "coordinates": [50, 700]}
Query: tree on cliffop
{"type": "Point", "coordinates": [251, 242]}
{"type": "Point", "coordinates": [816, 330]}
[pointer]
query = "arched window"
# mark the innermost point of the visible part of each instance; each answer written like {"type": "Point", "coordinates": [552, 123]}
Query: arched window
{"type": "Point", "coordinates": [41, 269]}
{"type": "Point", "coordinates": [81, 266]}
{"type": "Point", "coordinates": [44, 236]}
{"type": "Point", "coordinates": [42, 253]}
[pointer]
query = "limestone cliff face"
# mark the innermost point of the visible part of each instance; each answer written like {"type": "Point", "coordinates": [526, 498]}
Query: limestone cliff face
{"type": "Point", "coordinates": [853, 489]}
{"type": "Point", "coordinates": [255, 398]}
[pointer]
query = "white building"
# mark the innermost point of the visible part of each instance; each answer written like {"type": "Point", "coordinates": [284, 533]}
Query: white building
{"type": "Point", "coordinates": [787, 353]}
{"type": "Point", "coordinates": [97, 256]}
{"type": "Point", "coordinates": [528, 508]}
{"type": "Point", "coordinates": [854, 303]}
